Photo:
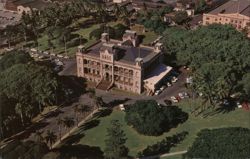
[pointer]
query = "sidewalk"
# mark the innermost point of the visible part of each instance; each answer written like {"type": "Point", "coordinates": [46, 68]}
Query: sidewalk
{"type": "Point", "coordinates": [164, 155]}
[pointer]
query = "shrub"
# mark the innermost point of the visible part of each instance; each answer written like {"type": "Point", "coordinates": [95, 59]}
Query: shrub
{"type": "Point", "coordinates": [149, 118]}
{"type": "Point", "coordinates": [223, 143]}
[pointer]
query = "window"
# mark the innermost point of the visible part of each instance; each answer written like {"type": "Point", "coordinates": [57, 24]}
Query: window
{"type": "Point", "coordinates": [207, 18]}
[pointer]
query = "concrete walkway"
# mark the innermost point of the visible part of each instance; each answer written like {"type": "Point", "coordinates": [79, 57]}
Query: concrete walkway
{"type": "Point", "coordinates": [165, 155]}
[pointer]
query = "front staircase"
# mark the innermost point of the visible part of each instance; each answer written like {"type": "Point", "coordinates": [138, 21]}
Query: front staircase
{"type": "Point", "coordinates": [104, 85]}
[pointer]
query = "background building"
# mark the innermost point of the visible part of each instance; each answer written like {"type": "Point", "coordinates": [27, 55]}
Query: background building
{"type": "Point", "coordinates": [234, 12]}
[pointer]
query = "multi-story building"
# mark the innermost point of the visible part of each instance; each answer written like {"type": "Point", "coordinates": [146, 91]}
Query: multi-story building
{"type": "Point", "coordinates": [123, 64]}
{"type": "Point", "coordinates": [234, 12]}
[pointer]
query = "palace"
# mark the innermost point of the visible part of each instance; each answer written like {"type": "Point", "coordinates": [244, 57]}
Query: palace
{"type": "Point", "coordinates": [234, 12]}
{"type": "Point", "coordinates": [124, 64]}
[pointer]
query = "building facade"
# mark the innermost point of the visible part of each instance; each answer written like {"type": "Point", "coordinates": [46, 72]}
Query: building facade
{"type": "Point", "coordinates": [234, 12]}
{"type": "Point", "coordinates": [122, 64]}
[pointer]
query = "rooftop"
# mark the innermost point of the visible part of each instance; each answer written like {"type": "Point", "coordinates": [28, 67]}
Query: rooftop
{"type": "Point", "coordinates": [156, 75]}
{"type": "Point", "coordinates": [38, 4]}
{"type": "Point", "coordinates": [233, 6]}
{"type": "Point", "coordinates": [125, 53]}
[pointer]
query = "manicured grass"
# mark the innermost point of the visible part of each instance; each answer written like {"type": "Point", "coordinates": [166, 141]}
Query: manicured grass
{"type": "Point", "coordinates": [148, 36]}
{"type": "Point", "coordinates": [136, 142]}
{"type": "Point", "coordinates": [173, 157]}
{"type": "Point", "coordinates": [84, 32]}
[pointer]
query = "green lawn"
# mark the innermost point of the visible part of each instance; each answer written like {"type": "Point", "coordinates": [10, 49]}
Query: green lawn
{"type": "Point", "coordinates": [173, 157]}
{"type": "Point", "coordinates": [148, 36]}
{"type": "Point", "coordinates": [84, 32]}
{"type": "Point", "coordinates": [136, 142]}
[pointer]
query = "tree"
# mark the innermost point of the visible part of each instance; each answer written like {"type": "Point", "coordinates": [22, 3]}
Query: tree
{"type": "Point", "coordinates": [24, 149]}
{"type": "Point", "coordinates": [217, 54]}
{"type": "Point", "coordinates": [150, 118]}
{"type": "Point", "coordinates": [68, 122]}
{"type": "Point", "coordinates": [115, 143]}
{"type": "Point", "coordinates": [181, 17]}
{"type": "Point", "coordinates": [223, 143]}
{"type": "Point", "coordinates": [245, 86]}
{"type": "Point", "coordinates": [99, 102]}
{"type": "Point", "coordinates": [60, 124]}
{"type": "Point", "coordinates": [92, 95]}
{"type": "Point", "coordinates": [38, 137]}
{"type": "Point", "coordinates": [14, 57]}
{"type": "Point", "coordinates": [50, 138]}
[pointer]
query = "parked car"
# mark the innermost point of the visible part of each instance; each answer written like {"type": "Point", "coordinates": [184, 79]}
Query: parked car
{"type": "Point", "coordinates": [181, 95]}
{"type": "Point", "coordinates": [169, 84]}
{"type": "Point", "coordinates": [121, 106]}
{"type": "Point", "coordinates": [186, 95]}
{"type": "Point", "coordinates": [157, 92]}
{"type": "Point", "coordinates": [174, 99]}
{"type": "Point", "coordinates": [238, 105]}
{"type": "Point", "coordinates": [66, 57]}
{"type": "Point", "coordinates": [174, 79]}
{"type": "Point", "coordinates": [162, 87]}
{"type": "Point", "coordinates": [46, 52]}
{"type": "Point", "coordinates": [61, 56]}
{"type": "Point", "coordinates": [53, 54]}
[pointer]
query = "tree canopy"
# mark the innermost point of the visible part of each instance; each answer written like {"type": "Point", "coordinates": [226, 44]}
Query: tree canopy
{"type": "Point", "coordinates": [218, 55]}
{"type": "Point", "coordinates": [150, 118]}
{"type": "Point", "coordinates": [14, 57]}
{"type": "Point", "coordinates": [115, 143]}
{"type": "Point", "coordinates": [26, 88]}
{"type": "Point", "coordinates": [223, 143]}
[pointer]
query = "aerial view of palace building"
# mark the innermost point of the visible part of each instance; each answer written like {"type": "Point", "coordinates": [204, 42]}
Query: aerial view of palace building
{"type": "Point", "coordinates": [124, 64]}
{"type": "Point", "coordinates": [236, 13]}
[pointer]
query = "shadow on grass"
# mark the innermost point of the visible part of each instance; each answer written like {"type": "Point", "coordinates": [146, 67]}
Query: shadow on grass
{"type": "Point", "coordinates": [80, 152]}
{"type": "Point", "coordinates": [221, 110]}
{"type": "Point", "coordinates": [163, 146]}
{"type": "Point", "coordinates": [75, 138]}
{"type": "Point", "coordinates": [89, 125]}
{"type": "Point", "coordinates": [103, 113]}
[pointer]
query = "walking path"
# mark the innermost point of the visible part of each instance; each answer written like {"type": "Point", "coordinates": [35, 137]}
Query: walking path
{"type": "Point", "coordinates": [165, 155]}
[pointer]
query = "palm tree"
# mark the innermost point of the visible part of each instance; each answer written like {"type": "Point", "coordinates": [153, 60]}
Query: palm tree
{"type": "Point", "coordinates": [50, 138]}
{"type": "Point", "coordinates": [38, 136]}
{"type": "Point", "coordinates": [68, 122]}
{"type": "Point", "coordinates": [84, 108]}
{"type": "Point", "coordinates": [60, 123]}
{"type": "Point", "coordinates": [20, 111]}
{"type": "Point", "coordinates": [76, 111]}
{"type": "Point", "coordinates": [99, 102]}
{"type": "Point", "coordinates": [92, 94]}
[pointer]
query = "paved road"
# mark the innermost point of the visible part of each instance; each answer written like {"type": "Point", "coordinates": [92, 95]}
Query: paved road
{"type": "Point", "coordinates": [69, 68]}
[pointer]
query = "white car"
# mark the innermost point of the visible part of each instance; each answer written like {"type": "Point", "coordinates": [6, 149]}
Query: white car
{"type": "Point", "coordinates": [45, 52]}
{"type": "Point", "coordinates": [53, 54]}
{"type": "Point", "coordinates": [41, 57]}
{"type": "Point", "coordinates": [61, 56]}
{"type": "Point", "coordinates": [181, 95]}
{"type": "Point", "coordinates": [66, 57]}
{"type": "Point", "coordinates": [239, 105]}
{"type": "Point", "coordinates": [121, 106]}
{"type": "Point", "coordinates": [162, 88]}
{"type": "Point", "coordinates": [33, 50]}
{"type": "Point", "coordinates": [169, 84]}
{"type": "Point", "coordinates": [186, 95]}
{"type": "Point", "coordinates": [174, 79]}
{"type": "Point", "coordinates": [157, 92]}
{"type": "Point", "coordinates": [174, 99]}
